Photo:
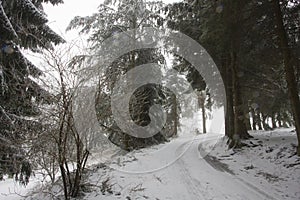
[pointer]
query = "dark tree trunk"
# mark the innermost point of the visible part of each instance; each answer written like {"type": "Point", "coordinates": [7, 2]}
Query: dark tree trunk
{"type": "Point", "coordinates": [254, 119]}
{"type": "Point", "coordinates": [64, 179]}
{"type": "Point", "coordinates": [279, 119]}
{"type": "Point", "coordinates": [232, 15]}
{"type": "Point", "coordinates": [175, 115]}
{"type": "Point", "coordinates": [265, 122]}
{"type": "Point", "coordinates": [289, 68]}
{"type": "Point", "coordinates": [248, 124]}
{"type": "Point", "coordinates": [201, 100]}
{"type": "Point", "coordinates": [247, 119]}
{"type": "Point", "coordinates": [239, 117]}
{"type": "Point", "coordinates": [229, 113]}
{"type": "Point", "coordinates": [259, 121]}
{"type": "Point", "coordinates": [203, 117]}
{"type": "Point", "coordinates": [61, 153]}
{"type": "Point", "coordinates": [274, 125]}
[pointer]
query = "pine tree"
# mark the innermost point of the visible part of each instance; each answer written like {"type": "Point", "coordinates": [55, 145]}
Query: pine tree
{"type": "Point", "coordinates": [115, 17]}
{"type": "Point", "coordinates": [243, 39]}
{"type": "Point", "coordinates": [288, 57]}
{"type": "Point", "coordinates": [22, 26]}
{"type": "Point", "coordinates": [216, 26]}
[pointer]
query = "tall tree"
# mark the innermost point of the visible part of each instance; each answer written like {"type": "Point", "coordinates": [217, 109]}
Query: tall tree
{"type": "Point", "coordinates": [289, 63]}
{"type": "Point", "coordinates": [217, 26]}
{"type": "Point", "coordinates": [240, 37]}
{"type": "Point", "coordinates": [22, 26]}
{"type": "Point", "coordinates": [116, 17]}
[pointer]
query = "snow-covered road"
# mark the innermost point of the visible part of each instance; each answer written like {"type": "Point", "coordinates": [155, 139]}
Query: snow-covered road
{"type": "Point", "coordinates": [182, 170]}
{"type": "Point", "coordinates": [212, 180]}
{"type": "Point", "coordinates": [178, 171]}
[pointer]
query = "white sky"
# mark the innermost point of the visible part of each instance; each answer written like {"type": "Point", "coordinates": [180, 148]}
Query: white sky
{"type": "Point", "coordinates": [59, 16]}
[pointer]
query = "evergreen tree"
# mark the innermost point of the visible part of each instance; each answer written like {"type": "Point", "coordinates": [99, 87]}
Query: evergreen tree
{"type": "Point", "coordinates": [217, 27]}
{"type": "Point", "coordinates": [289, 59]}
{"type": "Point", "coordinates": [115, 17]}
{"type": "Point", "coordinates": [22, 26]}
{"type": "Point", "coordinates": [241, 37]}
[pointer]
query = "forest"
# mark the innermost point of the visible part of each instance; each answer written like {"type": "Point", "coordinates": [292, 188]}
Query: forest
{"type": "Point", "coordinates": [141, 68]}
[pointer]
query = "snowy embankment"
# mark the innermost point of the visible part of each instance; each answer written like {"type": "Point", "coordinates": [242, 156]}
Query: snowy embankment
{"type": "Point", "coordinates": [182, 170]}
{"type": "Point", "coordinates": [268, 163]}
{"type": "Point", "coordinates": [12, 190]}
{"type": "Point", "coordinates": [267, 169]}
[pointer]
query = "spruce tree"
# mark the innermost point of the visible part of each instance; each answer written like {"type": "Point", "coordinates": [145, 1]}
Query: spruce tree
{"type": "Point", "coordinates": [23, 26]}
{"type": "Point", "coordinates": [116, 17]}
{"type": "Point", "coordinates": [243, 38]}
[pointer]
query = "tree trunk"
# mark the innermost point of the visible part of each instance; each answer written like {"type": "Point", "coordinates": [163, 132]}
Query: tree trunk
{"type": "Point", "coordinates": [232, 16]}
{"type": "Point", "coordinates": [265, 122]}
{"type": "Point", "coordinates": [61, 157]}
{"type": "Point", "coordinates": [240, 129]}
{"type": "Point", "coordinates": [247, 119]}
{"type": "Point", "coordinates": [254, 119]}
{"type": "Point", "coordinates": [203, 115]}
{"type": "Point", "coordinates": [176, 123]}
{"type": "Point", "coordinates": [279, 119]}
{"type": "Point", "coordinates": [201, 103]}
{"type": "Point", "coordinates": [229, 115]}
{"type": "Point", "coordinates": [259, 121]}
{"type": "Point", "coordinates": [78, 172]}
{"type": "Point", "coordinates": [289, 69]}
{"type": "Point", "coordinates": [64, 179]}
{"type": "Point", "coordinates": [274, 120]}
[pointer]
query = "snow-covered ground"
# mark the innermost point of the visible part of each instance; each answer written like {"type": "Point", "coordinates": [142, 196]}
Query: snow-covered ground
{"type": "Point", "coordinates": [197, 167]}
{"type": "Point", "coordinates": [268, 170]}
{"type": "Point", "coordinates": [12, 190]}
{"type": "Point", "coordinates": [269, 163]}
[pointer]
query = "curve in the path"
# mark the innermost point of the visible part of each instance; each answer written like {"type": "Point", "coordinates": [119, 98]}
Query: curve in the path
{"type": "Point", "coordinates": [208, 178]}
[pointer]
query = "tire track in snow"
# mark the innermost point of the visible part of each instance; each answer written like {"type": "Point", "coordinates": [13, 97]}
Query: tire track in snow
{"type": "Point", "coordinates": [192, 185]}
{"type": "Point", "coordinates": [222, 167]}
{"type": "Point", "coordinates": [200, 191]}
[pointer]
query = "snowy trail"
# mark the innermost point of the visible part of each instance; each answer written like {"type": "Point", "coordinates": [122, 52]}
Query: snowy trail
{"type": "Point", "coordinates": [206, 182]}
{"type": "Point", "coordinates": [189, 177]}
{"type": "Point", "coordinates": [178, 170]}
